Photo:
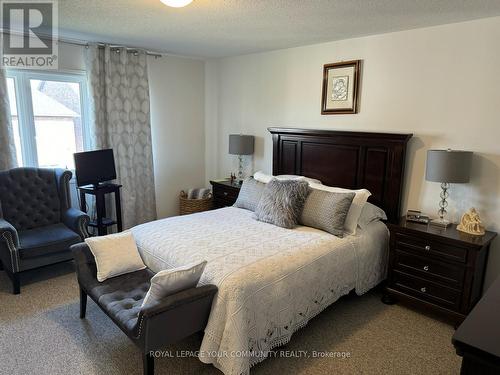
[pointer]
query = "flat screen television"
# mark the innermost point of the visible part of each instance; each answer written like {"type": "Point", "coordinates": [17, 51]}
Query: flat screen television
{"type": "Point", "coordinates": [94, 167]}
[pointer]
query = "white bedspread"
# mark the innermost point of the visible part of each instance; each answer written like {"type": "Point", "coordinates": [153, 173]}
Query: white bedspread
{"type": "Point", "coordinates": [271, 280]}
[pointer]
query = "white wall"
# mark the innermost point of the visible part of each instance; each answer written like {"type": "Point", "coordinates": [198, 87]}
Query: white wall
{"type": "Point", "coordinates": [440, 83]}
{"type": "Point", "coordinates": [177, 123]}
{"type": "Point", "coordinates": [71, 57]}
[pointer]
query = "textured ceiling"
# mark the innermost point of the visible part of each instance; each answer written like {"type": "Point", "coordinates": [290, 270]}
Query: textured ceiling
{"type": "Point", "coordinates": [216, 28]}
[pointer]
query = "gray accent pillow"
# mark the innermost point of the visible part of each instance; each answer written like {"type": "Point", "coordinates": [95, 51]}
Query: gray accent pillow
{"type": "Point", "coordinates": [327, 211]}
{"type": "Point", "coordinates": [282, 202]}
{"type": "Point", "coordinates": [250, 194]}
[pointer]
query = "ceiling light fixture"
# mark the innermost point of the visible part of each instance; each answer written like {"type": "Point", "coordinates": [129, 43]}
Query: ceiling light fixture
{"type": "Point", "coordinates": [176, 3]}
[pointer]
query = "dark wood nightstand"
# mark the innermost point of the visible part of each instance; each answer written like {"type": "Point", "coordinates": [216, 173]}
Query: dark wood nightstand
{"type": "Point", "coordinates": [225, 193]}
{"type": "Point", "coordinates": [435, 268]}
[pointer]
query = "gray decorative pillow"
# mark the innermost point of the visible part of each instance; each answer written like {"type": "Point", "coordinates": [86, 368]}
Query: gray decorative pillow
{"type": "Point", "coordinates": [327, 211]}
{"type": "Point", "coordinates": [282, 202]}
{"type": "Point", "coordinates": [250, 194]}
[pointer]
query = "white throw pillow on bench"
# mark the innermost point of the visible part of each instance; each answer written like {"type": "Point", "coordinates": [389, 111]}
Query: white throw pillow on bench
{"type": "Point", "coordinates": [115, 255]}
{"type": "Point", "coordinates": [167, 282]}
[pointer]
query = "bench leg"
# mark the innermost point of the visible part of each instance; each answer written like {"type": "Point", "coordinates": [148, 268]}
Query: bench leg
{"type": "Point", "coordinates": [83, 303]}
{"type": "Point", "coordinates": [148, 364]}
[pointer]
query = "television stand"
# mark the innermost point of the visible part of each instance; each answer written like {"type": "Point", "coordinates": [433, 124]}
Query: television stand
{"type": "Point", "coordinates": [100, 191]}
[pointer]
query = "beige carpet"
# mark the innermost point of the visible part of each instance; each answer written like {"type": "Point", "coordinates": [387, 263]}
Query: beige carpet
{"type": "Point", "coordinates": [40, 333]}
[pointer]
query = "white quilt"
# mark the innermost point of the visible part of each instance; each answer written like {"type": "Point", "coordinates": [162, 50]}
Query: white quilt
{"type": "Point", "coordinates": [271, 280]}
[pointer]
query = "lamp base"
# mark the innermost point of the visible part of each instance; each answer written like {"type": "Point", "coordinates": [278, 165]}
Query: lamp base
{"type": "Point", "coordinates": [443, 223]}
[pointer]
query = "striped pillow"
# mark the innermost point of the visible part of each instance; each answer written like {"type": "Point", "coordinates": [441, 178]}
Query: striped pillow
{"type": "Point", "coordinates": [250, 194]}
{"type": "Point", "coordinates": [327, 211]}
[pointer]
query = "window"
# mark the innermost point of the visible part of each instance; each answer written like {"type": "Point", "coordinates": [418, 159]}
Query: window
{"type": "Point", "coordinates": [49, 117]}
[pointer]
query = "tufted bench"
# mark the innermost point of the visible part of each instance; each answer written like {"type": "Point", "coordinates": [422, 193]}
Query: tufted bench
{"type": "Point", "coordinates": [153, 327]}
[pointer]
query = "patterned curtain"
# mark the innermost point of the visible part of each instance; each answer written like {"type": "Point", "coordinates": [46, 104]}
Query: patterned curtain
{"type": "Point", "coordinates": [8, 157]}
{"type": "Point", "coordinates": [119, 88]}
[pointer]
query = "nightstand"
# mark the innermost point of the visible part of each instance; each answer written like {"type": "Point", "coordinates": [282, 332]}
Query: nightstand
{"type": "Point", "coordinates": [437, 269]}
{"type": "Point", "coordinates": [225, 193]}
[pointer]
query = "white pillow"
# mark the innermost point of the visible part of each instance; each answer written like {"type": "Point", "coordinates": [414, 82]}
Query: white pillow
{"type": "Point", "coordinates": [362, 195]}
{"type": "Point", "coordinates": [265, 178]}
{"type": "Point", "coordinates": [369, 214]}
{"type": "Point", "coordinates": [262, 177]}
{"type": "Point", "coordinates": [115, 254]}
{"type": "Point", "coordinates": [167, 282]}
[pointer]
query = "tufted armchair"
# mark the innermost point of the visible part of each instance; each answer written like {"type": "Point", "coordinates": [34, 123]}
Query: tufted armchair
{"type": "Point", "coordinates": [37, 223]}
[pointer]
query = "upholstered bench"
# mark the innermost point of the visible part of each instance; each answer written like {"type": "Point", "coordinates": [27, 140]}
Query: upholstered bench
{"type": "Point", "coordinates": [152, 327]}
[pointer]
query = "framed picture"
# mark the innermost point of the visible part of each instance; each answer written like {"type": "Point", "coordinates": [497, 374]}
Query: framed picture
{"type": "Point", "coordinates": [340, 88]}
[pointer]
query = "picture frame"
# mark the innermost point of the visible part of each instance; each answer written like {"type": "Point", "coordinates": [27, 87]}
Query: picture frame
{"type": "Point", "coordinates": [340, 88]}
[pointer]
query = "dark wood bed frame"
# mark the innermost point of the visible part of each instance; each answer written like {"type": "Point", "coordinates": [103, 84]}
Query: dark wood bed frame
{"type": "Point", "coordinates": [352, 160]}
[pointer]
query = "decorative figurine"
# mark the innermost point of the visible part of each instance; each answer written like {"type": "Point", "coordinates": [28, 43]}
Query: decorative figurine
{"type": "Point", "coordinates": [471, 223]}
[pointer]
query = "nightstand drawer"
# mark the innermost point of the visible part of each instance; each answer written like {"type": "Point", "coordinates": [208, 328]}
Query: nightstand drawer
{"type": "Point", "coordinates": [437, 249]}
{"type": "Point", "coordinates": [226, 194]}
{"type": "Point", "coordinates": [222, 202]}
{"type": "Point", "coordinates": [449, 274]}
{"type": "Point", "coordinates": [427, 290]}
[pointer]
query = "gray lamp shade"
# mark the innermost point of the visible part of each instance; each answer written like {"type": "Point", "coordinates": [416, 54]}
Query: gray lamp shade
{"type": "Point", "coordinates": [241, 144]}
{"type": "Point", "coordinates": [448, 166]}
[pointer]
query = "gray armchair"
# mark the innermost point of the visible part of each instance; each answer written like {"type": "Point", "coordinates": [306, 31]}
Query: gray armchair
{"type": "Point", "coordinates": [37, 223]}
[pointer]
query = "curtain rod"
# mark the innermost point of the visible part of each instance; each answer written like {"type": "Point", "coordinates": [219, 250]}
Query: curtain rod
{"type": "Point", "coordinates": [83, 43]}
{"type": "Point", "coordinates": [102, 45]}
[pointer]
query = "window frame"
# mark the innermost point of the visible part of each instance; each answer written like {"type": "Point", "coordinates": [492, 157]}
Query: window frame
{"type": "Point", "coordinates": [24, 100]}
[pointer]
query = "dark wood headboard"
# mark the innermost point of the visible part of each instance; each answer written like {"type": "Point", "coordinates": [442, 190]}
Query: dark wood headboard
{"type": "Point", "coordinates": [352, 160]}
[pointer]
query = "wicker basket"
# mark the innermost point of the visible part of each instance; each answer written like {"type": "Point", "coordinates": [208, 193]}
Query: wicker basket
{"type": "Point", "coordinates": [191, 206]}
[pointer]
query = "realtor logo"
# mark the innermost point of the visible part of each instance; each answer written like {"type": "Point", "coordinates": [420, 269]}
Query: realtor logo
{"type": "Point", "coordinates": [29, 34]}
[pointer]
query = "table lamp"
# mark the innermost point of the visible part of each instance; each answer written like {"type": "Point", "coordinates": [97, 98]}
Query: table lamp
{"type": "Point", "coordinates": [241, 145]}
{"type": "Point", "coordinates": [447, 166]}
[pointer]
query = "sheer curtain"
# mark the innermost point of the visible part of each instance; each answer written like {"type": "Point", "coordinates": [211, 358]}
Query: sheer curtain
{"type": "Point", "coordinates": [119, 90]}
{"type": "Point", "coordinates": [8, 157]}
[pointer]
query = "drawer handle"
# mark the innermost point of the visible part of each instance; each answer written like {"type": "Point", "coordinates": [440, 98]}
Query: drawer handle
{"type": "Point", "coordinates": [426, 268]}
{"type": "Point", "coordinates": [428, 247]}
{"type": "Point", "coordinates": [423, 290]}
{"type": "Point", "coordinates": [225, 193]}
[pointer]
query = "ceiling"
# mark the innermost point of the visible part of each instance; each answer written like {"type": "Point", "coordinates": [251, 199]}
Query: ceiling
{"type": "Point", "coordinates": [218, 28]}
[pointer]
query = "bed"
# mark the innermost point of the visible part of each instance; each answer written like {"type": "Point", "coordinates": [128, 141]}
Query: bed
{"type": "Point", "coordinates": [272, 280]}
